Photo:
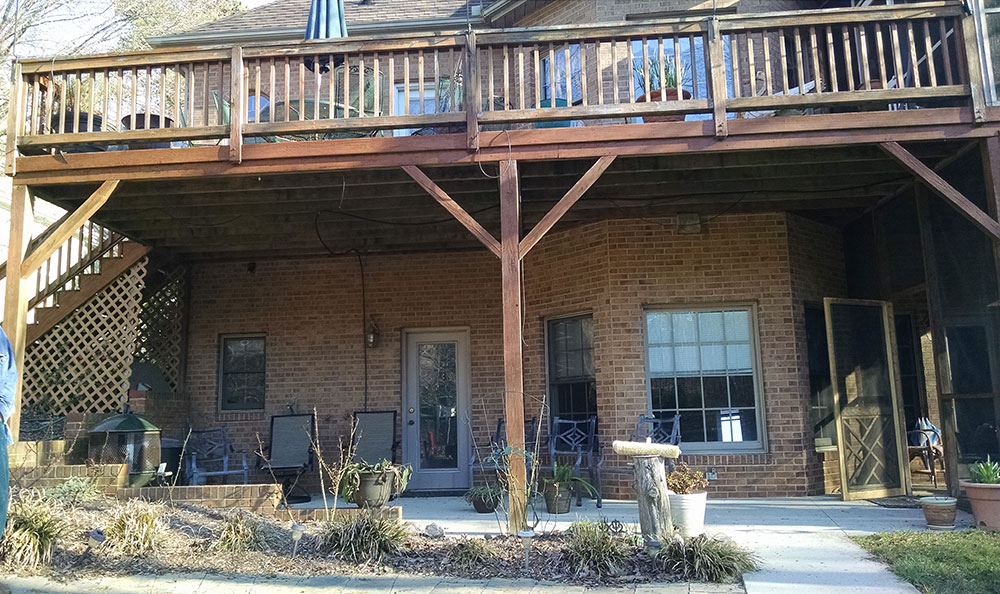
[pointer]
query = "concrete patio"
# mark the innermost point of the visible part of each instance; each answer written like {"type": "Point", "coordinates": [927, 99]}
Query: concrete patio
{"type": "Point", "coordinates": [803, 545]}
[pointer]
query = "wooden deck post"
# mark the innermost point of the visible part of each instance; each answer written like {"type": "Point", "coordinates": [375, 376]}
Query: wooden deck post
{"type": "Point", "coordinates": [510, 266]}
{"type": "Point", "coordinates": [238, 107]}
{"type": "Point", "coordinates": [15, 308]}
{"type": "Point", "coordinates": [15, 122]}
{"type": "Point", "coordinates": [990, 157]}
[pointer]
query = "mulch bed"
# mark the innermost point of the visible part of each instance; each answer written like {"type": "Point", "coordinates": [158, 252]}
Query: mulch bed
{"type": "Point", "coordinates": [190, 532]}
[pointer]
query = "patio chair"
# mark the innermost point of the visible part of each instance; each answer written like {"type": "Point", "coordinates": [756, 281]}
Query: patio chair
{"type": "Point", "coordinates": [375, 436]}
{"type": "Point", "coordinates": [924, 442]}
{"type": "Point", "coordinates": [290, 453]}
{"type": "Point", "coordinates": [498, 442]}
{"type": "Point", "coordinates": [656, 430]}
{"type": "Point", "coordinates": [577, 440]}
{"type": "Point", "coordinates": [209, 452]}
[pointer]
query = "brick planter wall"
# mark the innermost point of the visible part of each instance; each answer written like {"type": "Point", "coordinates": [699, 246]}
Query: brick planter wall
{"type": "Point", "coordinates": [108, 477]}
{"type": "Point", "coordinates": [262, 499]}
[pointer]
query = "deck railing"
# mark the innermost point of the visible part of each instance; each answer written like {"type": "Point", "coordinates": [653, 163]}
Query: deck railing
{"type": "Point", "coordinates": [922, 55]}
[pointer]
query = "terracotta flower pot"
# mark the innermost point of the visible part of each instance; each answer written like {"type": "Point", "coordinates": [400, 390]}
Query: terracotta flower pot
{"type": "Point", "coordinates": [985, 500]}
{"type": "Point", "coordinates": [939, 512]}
{"type": "Point", "coordinates": [665, 95]}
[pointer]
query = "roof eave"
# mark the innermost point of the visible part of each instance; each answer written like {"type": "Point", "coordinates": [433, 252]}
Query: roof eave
{"type": "Point", "coordinates": [296, 33]}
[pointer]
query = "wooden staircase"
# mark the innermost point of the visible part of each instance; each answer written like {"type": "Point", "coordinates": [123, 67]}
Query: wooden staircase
{"type": "Point", "coordinates": [90, 260]}
{"type": "Point", "coordinates": [87, 283]}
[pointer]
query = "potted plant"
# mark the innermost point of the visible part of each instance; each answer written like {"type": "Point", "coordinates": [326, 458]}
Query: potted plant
{"type": "Point", "coordinates": [939, 512]}
{"type": "Point", "coordinates": [371, 485]}
{"type": "Point", "coordinates": [983, 490]}
{"type": "Point", "coordinates": [558, 491]}
{"type": "Point", "coordinates": [687, 499]}
{"type": "Point", "coordinates": [485, 498]}
{"type": "Point", "coordinates": [659, 90]}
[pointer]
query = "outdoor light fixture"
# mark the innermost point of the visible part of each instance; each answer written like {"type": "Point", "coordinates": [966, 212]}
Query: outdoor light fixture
{"type": "Point", "coordinates": [95, 538]}
{"type": "Point", "coordinates": [371, 335]}
{"type": "Point", "coordinates": [526, 537]}
{"type": "Point", "coordinates": [297, 531]}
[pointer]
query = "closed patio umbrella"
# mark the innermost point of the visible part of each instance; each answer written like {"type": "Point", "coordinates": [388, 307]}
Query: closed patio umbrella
{"type": "Point", "coordinates": [326, 21]}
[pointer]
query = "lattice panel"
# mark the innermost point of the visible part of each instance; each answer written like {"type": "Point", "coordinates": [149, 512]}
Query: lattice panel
{"type": "Point", "coordinates": [161, 328]}
{"type": "Point", "coordinates": [83, 363]}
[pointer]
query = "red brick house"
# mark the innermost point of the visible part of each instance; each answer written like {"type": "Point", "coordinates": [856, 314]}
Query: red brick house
{"type": "Point", "coordinates": [598, 254]}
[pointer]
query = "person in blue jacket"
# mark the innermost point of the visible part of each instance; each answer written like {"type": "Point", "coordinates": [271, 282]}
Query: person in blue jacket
{"type": "Point", "coordinates": [8, 385]}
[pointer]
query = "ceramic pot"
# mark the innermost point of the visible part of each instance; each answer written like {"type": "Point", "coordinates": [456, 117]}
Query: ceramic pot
{"type": "Point", "coordinates": [939, 512]}
{"type": "Point", "coordinates": [985, 500]}
{"type": "Point", "coordinates": [688, 513]}
{"type": "Point", "coordinates": [485, 505]}
{"type": "Point", "coordinates": [374, 489]}
{"type": "Point", "coordinates": [665, 95]}
{"type": "Point", "coordinates": [557, 499]}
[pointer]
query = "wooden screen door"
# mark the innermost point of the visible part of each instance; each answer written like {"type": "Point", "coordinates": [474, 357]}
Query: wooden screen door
{"type": "Point", "coordinates": [435, 409]}
{"type": "Point", "coordinates": [865, 399]}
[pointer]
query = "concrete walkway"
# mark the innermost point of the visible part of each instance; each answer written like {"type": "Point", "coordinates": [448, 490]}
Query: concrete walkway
{"type": "Point", "coordinates": [803, 544]}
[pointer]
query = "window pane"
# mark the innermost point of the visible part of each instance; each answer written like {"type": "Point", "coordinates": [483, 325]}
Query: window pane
{"type": "Point", "coordinates": [737, 326]}
{"type": "Point", "coordinates": [663, 393]}
{"type": "Point", "coordinates": [716, 392]}
{"type": "Point", "coordinates": [741, 390]}
{"type": "Point", "coordinates": [738, 358]}
{"type": "Point", "coordinates": [686, 359]}
{"type": "Point", "coordinates": [658, 327]}
{"type": "Point", "coordinates": [689, 392]}
{"type": "Point", "coordinates": [713, 359]}
{"type": "Point", "coordinates": [731, 425]}
{"type": "Point", "coordinates": [243, 354]}
{"type": "Point", "coordinates": [692, 427]}
{"type": "Point", "coordinates": [661, 359]}
{"type": "Point", "coordinates": [685, 327]}
{"type": "Point", "coordinates": [242, 391]}
{"type": "Point", "coordinates": [710, 326]}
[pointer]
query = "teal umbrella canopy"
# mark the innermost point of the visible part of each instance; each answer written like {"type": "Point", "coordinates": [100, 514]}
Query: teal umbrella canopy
{"type": "Point", "coordinates": [326, 21]}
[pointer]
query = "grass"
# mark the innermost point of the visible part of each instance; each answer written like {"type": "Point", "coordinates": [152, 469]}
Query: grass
{"type": "Point", "coordinates": [74, 491]}
{"type": "Point", "coordinates": [965, 562]}
{"type": "Point", "coordinates": [243, 531]}
{"type": "Point", "coordinates": [136, 528]}
{"type": "Point", "coordinates": [33, 528]}
{"type": "Point", "coordinates": [364, 537]}
{"type": "Point", "coordinates": [469, 553]}
{"type": "Point", "coordinates": [706, 558]}
{"type": "Point", "coordinates": [593, 548]}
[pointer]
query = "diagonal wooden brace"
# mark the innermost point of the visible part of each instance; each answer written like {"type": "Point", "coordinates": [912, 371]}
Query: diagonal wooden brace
{"type": "Point", "coordinates": [454, 208]}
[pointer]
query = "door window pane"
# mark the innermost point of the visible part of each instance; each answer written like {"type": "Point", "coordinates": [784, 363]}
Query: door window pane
{"type": "Point", "coordinates": [437, 392]}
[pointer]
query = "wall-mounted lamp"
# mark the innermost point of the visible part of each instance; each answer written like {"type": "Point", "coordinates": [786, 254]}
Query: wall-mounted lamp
{"type": "Point", "coordinates": [371, 335]}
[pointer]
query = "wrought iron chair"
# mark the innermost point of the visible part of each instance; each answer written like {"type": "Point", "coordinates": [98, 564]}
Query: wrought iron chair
{"type": "Point", "coordinates": [656, 430]}
{"type": "Point", "coordinates": [208, 455]}
{"type": "Point", "coordinates": [498, 443]}
{"type": "Point", "coordinates": [577, 439]}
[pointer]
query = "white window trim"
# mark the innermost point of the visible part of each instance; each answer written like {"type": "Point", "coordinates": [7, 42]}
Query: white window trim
{"type": "Point", "coordinates": [219, 371]}
{"type": "Point", "coordinates": [399, 102]}
{"type": "Point", "coordinates": [756, 447]}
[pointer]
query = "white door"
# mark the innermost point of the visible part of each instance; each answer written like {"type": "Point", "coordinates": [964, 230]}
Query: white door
{"type": "Point", "coordinates": [435, 409]}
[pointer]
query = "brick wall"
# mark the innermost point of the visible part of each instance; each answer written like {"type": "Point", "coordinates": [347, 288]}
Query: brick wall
{"type": "Point", "coordinates": [310, 311]}
{"type": "Point", "coordinates": [263, 499]}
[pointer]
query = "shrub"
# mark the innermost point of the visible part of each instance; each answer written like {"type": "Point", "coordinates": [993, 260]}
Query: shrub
{"type": "Point", "coordinates": [706, 558]}
{"type": "Point", "coordinates": [987, 472]}
{"type": "Point", "coordinates": [74, 491]}
{"type": "Point", "coordinates": [488, 493]}
{"type": "Point", "coordinates": [593, 548]}
{"type": "Point", "coordinates": [33, 527]}
{"type": "Point", "coordinates": [135, 528]}
{"type": "Point", "coordinates": [243, 531]}
{"type": "Point", "coordinates": [366, 536]}
{"type": "Point", "coordinates": [684, 480]}
{"type": "Point", "coordinates": [469, 553]}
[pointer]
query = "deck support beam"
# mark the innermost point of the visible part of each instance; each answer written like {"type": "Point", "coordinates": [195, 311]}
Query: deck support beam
{"type": "Point", "coordinates": [454, 208]}
{"type": "Point", "coordinates": [15, 311]}
{"type": "Point", "coordinates": [942, 188]}
{"type": "Point", "coordinates": [513, 371]}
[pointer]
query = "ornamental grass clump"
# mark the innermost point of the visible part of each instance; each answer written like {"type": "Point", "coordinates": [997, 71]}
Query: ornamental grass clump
{"type": "Point", "coordinates": [364, 537]}
{"type": "Point", "coordinates": [469, 553]}
{"type": "Point", "coordinates": [136, 528]}
{"type": "Point", "coordinates": [706, 558]}
{"type": "Point", "coordinates": [74, 491]}
{"type": "Point", "coordinates": [593, 548]}
{"type": "Point", "coordinates": [987, 473]}
{"type": "Point", "coordinates": [243, 531]}
{"type": "Point", "coordinates": [33, 527]}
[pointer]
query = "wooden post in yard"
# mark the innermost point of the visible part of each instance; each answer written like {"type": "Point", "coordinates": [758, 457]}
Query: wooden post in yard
{"type": "Point", "coordinates": [510, 266]}
{"type": "Point", "coordinates": [15, 307]}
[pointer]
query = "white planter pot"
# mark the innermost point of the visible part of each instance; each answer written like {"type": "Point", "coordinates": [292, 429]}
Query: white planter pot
{"type": "Point", "coordinates": [688, 513]}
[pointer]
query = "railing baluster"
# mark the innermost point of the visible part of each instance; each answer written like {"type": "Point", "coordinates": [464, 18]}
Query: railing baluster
{"type": "Point", "coordinates": [694, 69]}
{"type": "Point", "coordinates": [914, 66]}
{"type": "Point", "coordinates": [302, 89]}
{"type": "Point", "coordinates": [134, 74]}
{"type": "Point", "coordinates": [62, 103]}
{"type": "Point", "coordinates": [848, 61]}
{"type": "Point", "coordinates": [929, 55]}
{"type": "Point", "coordinates": [377, 83]}
{"type": "Point", "coordinates": [949, 78]}
{"type": "Point", "coordinates": [568, 67]}
{"type": "Point", "coordinates": [897, 56]}
{"type": "Point", "coordinates": [661, 59]}
{"type": "Point", "coordinates": [784, 61]}
{"type": "Point", "coordinates": [491, 72]}
{"type": "Point", "coordinates": [751, 65]}
{"type": "Point", "coordinates": [520, 77]}
{"type": "Point", "coordinates": [177, 92]}
{"type": "Point", "coordinates": [147, 124]}
{"type": "Point", "coordinates": [678, 75]}
{"type": "Point", "coordinates": [537, 77]}
{"type": "Point", "coordinates": [207, 91]}
{"type": "Point", "coordinates": [347, 85]}
{"type": "Point", "coordinates": [768, 84]}
{"type": "Point", "coordinates": [866, 71]}
{"type": "Point", "coordinates": [734, 53]}
{"type": "Point", "coordinates": [50, 95]}
{"type": "Point", "coordinates": [814, 54]}
{"type": "Point", "coordinates": [361, 85]}
{"type": "Point", "coordinates": [77, 89]}
{"type": "Point", "coordinates": [631, 70]}
{"type": "Point", "coordinates": [406, 84]}
{"type": "Point", "coordinates": [437, 82]}
{"type": "Point", "coordinates": [552, 76]}
{"type": "Point", "coordinates": [36, 113]}
{"type": "Point", "coordinates": [288, 90]}
{"type": "Point", "coordinates": [646, 83]}
{"type": "Point", "coordinates": [831, 58]}
{"type": "Point", "coordinates": [317, 86]}
{"type": "Point", "coordinates": [799, 68]}
{"type": "Point", "coordinates": [614, 72]}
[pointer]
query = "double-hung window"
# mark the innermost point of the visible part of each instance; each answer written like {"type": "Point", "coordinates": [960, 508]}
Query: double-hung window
{"type": "Point", "coordinates": [572, 389]}
{"type": "Point", "coordinates": [241, 372]}
{"type": "Point", "coordinates": [702, 364]}
{"type": "Point", "coordinates": [402, 103]}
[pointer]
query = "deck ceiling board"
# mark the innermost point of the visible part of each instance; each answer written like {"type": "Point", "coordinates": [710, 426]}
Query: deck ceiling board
{"type": "Point", "coordinates": [385, 210]}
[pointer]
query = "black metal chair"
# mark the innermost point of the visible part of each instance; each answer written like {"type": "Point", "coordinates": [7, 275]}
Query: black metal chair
{"type": "Point", "coordinates": [577, 440]}
{"type": "Point", "coordinates": [375, 436]}
{"type": "Point", "coordinates": [498, 443]}
{"type": "Point", "coordinates": [290, 453]}
{"type": "Point", "coordinates": [657, 430]}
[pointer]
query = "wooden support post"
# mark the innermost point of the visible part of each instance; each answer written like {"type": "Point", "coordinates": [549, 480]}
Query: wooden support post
{"type": "Point", "coordinates": [942, 365]}
{"type": "Point", "coordinates": [15, 121]}
{"type": "Point", "coordinates": [717, 78]}
{"type": "Point", "coordinates": [939, 186]}
{"type": "Point", "coordinates": [15, 309]}
{"type": "Point", "coordinates": [977, 86]}
{"type": "Point", "coordinates": [454, 208]}
{"type": "Point", "coordinates": [990, 157]}
{"type": "Point", "coordinates": [65, 230]}
{"type": "Point", "coordinates": [510, 266]}
{"type": "Point", "coordinates": [565, 203]}
{"type": "Point", "coordinates": [471, 98]}
{"type": "Point", "coordinates": [238, 108]}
